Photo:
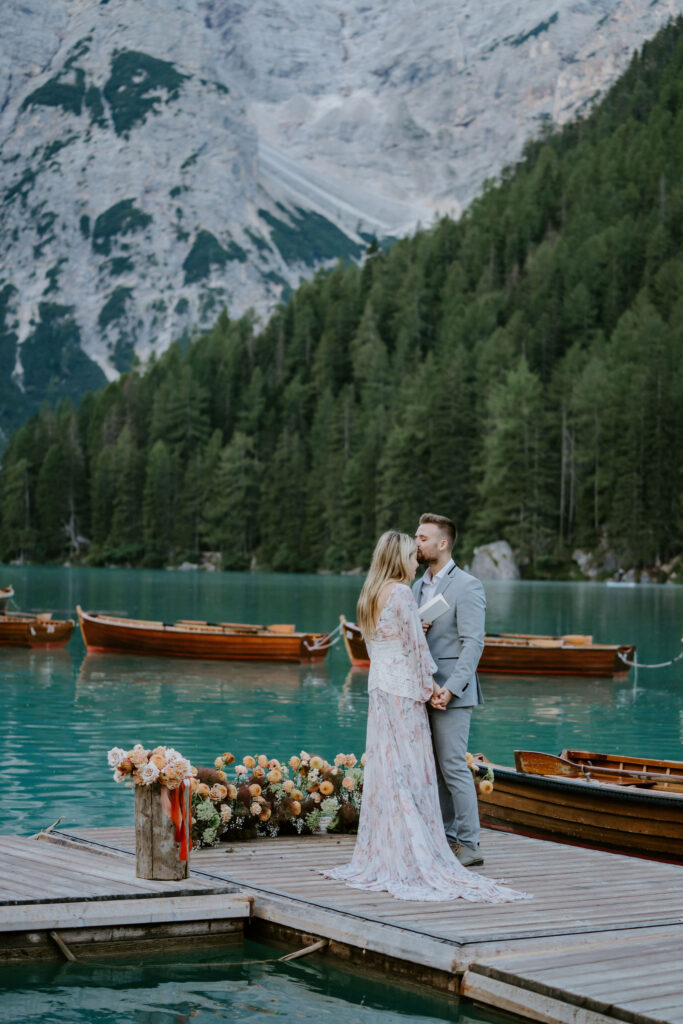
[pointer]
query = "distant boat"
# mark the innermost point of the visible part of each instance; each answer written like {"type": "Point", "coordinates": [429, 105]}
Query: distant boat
{"type": "Point", "coordinates": [621, 583]}
{"type": "Point", "coordinates": [608, 801]}
{"type": "Point", "coordinates": [23, 630]}
{"type": "Point", "coordinates": [189, 638]}
{"type": "Point", "coordinates": [525, 654]}
{"type": "Point", "coordinates": [6, 595]}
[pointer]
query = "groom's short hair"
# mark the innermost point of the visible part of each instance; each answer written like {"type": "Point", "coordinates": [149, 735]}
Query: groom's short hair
{"type": "Point", "coordinates": [446, 525]}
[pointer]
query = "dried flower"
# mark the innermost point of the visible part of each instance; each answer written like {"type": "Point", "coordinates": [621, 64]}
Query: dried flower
{"type": "Point", "coordinates": [115, 756]}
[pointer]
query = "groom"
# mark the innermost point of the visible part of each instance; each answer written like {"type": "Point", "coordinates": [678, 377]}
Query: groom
{"type": "Point", "coordinates": [456, 640]}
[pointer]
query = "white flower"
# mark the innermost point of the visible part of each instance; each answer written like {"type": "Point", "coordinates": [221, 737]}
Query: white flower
{"type": "Point", "coordinates": [209, 836]}
{"type": "Point", "coordinates": [330, 806]}
{"type": "Point", "coordinates": [119, 776]}
{"type": "Point", "coordinates": [149, 773]}
{"type": "Point", "coordinates": [115, 756]}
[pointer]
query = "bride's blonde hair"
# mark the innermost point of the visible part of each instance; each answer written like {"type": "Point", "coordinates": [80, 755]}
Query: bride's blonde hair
{"type": "Point", "coordinates": [390, 561]}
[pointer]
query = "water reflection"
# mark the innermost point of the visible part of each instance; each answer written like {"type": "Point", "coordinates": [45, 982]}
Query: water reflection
{"type": "Point", "coordinates": [122, 669]}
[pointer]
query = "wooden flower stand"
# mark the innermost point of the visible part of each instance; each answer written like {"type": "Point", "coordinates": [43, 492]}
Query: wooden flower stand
{"type": "Point", "coordinates": [157, 852]}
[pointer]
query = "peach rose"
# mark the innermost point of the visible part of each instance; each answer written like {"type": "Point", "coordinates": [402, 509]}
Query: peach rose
{"type": "Point", "coordinates": [255, 808]}
{"type": "Point", "coordinates": [218, 792]}
{"type": "Point", "coordinates": [289, 786]}
{"type": "Point", "coordinates": [226, 814]}
{"type": "Point", "coordinates": [138, 756]}
{"type": "Point", "coordinates": [317, 798]}
{"type": "Point", "coordinates": [259, 772]}
{"type": "Point", "coordinates": [304, 755]}
{"type": "Point", "coordinates": [362, 760]}
{"type": "Point", "coordinates": [485, 786]}
{"type": "Point", "coordinates": [222, 776]}
{"type": "Point", "coordinates": [255, 789]}
{"type": "Point", "coordinates": [350, 761]}
{"type": "Point", "coordinates": [232, 791]}
{"type": "Point", "coordinates": [264, 815]}
{"type": "Point", "coordinates": [203, 789]}
{"type": "Point", "coordinates": [158, 760]}
{"type": "Point", "coordinates": [274, 763]}
{"type": "Point", "coordinates": [218, 762]}
{"type": "Point", "coordinates": [263, 760]}
{"type": "Point", "coordinates": [159, 750]}
{"type": "Point", "coordinates": [349, 783]}
{"type": "Point", "coordinates": [126, 766]}
{"type": "Point", "coordinates": [249, 761]}
{"type": "Point", "coordinates": [194, 785]}
{"type": "Point", "coordinates": [240, 770]}
{"type": "Point", "coordinates": [274, 776]}
{"type": "Point", "coordinates": [294, 762]}
{"type": "Point", "coordinates": [340, 759]}
{"type": "Point", "coordinates": [326, 788]}
{"type": "Point", "coordinates": [228, 758]}
{"type": "Point", "coordinates": [296, 807]}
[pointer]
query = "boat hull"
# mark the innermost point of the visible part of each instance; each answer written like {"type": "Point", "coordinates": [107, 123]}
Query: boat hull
{"type": "Point", "coordinates": [519, 656]}
{"type": "Point", "coordinates": [31, 632]}
{"type": "Point", "coordinates": [103, 634]}
{"type": "Point", "coordinates": [609, 817]}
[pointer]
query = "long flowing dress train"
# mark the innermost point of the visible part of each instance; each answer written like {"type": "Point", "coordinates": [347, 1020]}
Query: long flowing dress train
{"type": "Point", "coordinates": [401, 846]}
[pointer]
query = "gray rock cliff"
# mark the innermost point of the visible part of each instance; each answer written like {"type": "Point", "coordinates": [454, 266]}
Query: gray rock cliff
{"type": "Point", "coordinates": [161, 159]}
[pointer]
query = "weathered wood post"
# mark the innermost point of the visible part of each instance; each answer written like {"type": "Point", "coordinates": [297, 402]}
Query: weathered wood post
{"type": "Point", "coordinates": [157, 853]}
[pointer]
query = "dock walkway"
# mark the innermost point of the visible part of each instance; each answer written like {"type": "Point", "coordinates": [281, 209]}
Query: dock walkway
{"type": "Point", "coordinates": [600, 941]}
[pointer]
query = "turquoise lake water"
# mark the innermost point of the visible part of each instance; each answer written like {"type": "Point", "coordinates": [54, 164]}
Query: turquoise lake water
{"type": "Point", "coordinates": [309, 991]}
{"type": "Point", "coordinates": [62, 710]}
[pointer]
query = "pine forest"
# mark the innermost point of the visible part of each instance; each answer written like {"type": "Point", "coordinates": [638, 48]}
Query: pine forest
{"type": "Point", "coordinates": [520, 370]}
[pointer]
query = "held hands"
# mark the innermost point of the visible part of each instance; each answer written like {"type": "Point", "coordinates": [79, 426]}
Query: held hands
{"type": "Point", "coordinates": [426, 626]}
{"type": "Point", "coordinates": [440, 697]}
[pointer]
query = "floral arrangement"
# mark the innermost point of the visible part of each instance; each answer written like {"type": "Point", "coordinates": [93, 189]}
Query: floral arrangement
{"type": "Point", "coordinates": [140, 767]}
{"type": "Point", "coordinates": [265, 797]}
{"type": "Point", "coordinates": [482, 772]}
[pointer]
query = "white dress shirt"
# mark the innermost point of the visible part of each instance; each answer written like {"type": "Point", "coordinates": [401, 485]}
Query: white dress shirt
{"type": "Point", "coordinates": [430, 583]}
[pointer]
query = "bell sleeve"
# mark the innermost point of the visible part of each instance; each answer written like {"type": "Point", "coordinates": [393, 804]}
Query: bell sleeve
{"type": "Point", "coordinates": [422, 665]}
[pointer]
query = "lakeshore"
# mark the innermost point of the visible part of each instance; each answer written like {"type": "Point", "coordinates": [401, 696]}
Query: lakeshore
{"type": "Point", "coordinates": [595, 945]}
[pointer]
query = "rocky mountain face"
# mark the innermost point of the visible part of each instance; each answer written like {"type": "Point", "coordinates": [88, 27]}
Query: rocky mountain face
{"type": "Point", "coordinates": [162, 159]}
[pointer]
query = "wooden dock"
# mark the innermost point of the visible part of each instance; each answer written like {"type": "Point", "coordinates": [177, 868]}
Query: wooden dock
{"type": "Point", "coordinates": [598, 943]}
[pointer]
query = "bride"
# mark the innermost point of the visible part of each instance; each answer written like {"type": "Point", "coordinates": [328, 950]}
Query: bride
{"type": "Point", "coordinates": [401, 846]}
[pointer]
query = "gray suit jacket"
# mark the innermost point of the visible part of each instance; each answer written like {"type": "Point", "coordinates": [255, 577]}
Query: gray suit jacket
{"type": "Point", "coordinates": [456, 638]}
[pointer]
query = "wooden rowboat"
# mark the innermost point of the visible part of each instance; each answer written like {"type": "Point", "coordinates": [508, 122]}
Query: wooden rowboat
{"type": "Point", "coordinates": [525, 654]}
{"type": "Point", "coordinates": [188, 638]}
{"type": "Point", "coordinates": [17, 630]}
{"type": "Point", "coordinates": [6, 595]}
{"type": "Point", "coordinates": [607, 801]}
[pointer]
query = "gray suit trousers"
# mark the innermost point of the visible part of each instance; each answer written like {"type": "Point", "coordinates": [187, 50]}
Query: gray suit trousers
{"type": "Point", "coordinates": [457, 793]}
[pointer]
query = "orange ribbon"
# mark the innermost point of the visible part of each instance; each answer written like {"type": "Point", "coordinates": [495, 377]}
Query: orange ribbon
{"type": "Point", "coordinates": [177, 807]}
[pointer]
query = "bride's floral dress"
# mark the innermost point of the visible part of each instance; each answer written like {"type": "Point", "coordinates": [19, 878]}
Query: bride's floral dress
{"type": "Point", "coordinates": [401, 846]}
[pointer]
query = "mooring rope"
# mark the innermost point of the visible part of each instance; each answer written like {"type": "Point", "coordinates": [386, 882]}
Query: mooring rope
{"type": "Point", "coordinates": [639, 664]}
{"type": "Point", "coordinates": [325, 642]}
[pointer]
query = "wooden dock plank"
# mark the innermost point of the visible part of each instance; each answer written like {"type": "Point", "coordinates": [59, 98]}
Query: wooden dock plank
{"type": "Point", "coordinates": [594, 945]}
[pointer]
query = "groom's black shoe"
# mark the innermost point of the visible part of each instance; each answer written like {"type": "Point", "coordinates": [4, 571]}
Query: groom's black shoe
{"type": "Point", "coordinates": [467, 855]}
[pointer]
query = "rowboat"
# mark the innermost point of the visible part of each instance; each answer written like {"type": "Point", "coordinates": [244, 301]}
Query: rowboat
{"type": "Point", "coordinates": [190, 638]}
{"type": "Point", "coordinates": [607, 801]}
{"type": "Point", "coordinates": [525, 654]}
{"type": "Point", "coordinates": [6, 595]}
{"type": "Point", "coordinates": [17, 630]}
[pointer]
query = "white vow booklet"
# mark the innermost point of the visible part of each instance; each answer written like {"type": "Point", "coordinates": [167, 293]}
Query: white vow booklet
{"type": "Point", "coordinates": [431, 610]}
